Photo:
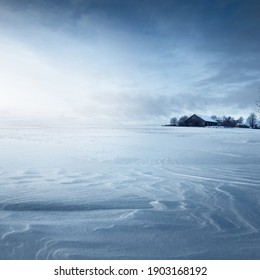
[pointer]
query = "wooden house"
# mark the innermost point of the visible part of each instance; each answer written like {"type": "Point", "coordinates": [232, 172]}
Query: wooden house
{"type": "Point", "coordinates": [200, 120]}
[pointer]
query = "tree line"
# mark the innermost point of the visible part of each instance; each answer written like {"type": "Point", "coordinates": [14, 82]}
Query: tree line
{"type": "Point", "coordinates": [227, 121]}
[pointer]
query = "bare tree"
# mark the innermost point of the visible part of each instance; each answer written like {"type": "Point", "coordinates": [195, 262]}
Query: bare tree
{"type": "Point", "coordinates": [252, 120]}
{"type": "Point", "coordinates": [174, 121]}
{"type": "Point", "coordinates": [257, 105]}
{"type": "Point", "coordinates": [240, 120]}
{"type": "Point", "coordinates": [228, 121]}
{"type": "Point", "coordinates": [182, 120]}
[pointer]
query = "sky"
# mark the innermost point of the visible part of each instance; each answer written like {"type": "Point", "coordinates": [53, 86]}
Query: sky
{"type": "Point", "coordinates": [128, 61]}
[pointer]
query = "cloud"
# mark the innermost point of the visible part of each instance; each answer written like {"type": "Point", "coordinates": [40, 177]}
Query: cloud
{"type": "Point", "coordinates": [125, 60]}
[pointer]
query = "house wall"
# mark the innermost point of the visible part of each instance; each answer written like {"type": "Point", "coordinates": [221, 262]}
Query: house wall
{"type": "Point", "coordinates": [195, 121]}
{"type": "Point", "coordinates": [210, 124]}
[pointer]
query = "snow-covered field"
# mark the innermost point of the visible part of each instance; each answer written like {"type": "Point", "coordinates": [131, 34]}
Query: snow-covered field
{"type": "Point", "coordinates": [129, 193]}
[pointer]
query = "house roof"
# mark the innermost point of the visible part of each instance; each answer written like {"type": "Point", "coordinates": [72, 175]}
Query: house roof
{"type": "Point", "coordinates": [206, 118]}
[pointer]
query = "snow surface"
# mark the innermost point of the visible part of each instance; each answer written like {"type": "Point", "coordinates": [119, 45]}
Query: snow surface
{"type": "Point", "coordinates": [129, 193]}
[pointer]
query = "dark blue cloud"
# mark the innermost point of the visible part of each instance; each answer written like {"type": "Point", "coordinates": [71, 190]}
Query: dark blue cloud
{"type": "Point", "coordinates": [229, 22]}
{"type": "Point", "coordinates": [194, 52]}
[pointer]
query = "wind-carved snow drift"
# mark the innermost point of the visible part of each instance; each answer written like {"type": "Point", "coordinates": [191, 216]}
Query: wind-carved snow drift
{"type": "Point", "coordinates": [129, 193]}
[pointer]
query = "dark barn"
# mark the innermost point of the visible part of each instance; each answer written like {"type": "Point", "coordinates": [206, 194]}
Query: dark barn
{"type": "Point", "coordinates": [200, 120]}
